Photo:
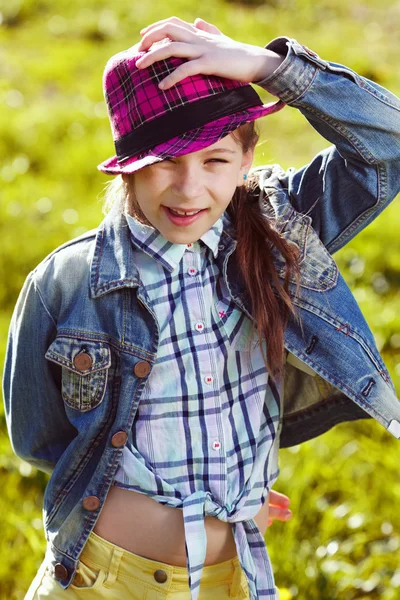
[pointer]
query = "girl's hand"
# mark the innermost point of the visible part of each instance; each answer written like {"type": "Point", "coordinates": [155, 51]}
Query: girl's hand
{"type": "Point", "coordinates": [278, 507]}
{"type": "Point", "coordinates": [207, 49]}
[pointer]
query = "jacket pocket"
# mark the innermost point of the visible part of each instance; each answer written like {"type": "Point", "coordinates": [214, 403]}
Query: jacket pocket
{"type": "Point", "coordinates": [319, 271]}
{"type": "Point", "coordinates": [84, 370]}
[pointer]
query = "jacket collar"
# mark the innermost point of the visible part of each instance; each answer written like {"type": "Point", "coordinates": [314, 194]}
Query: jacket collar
{"type": "Point", "coordinates": [113, 264]}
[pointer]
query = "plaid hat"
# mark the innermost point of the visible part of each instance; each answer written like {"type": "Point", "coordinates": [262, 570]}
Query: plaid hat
{"type": "Point", "coordinates": [150, 125]}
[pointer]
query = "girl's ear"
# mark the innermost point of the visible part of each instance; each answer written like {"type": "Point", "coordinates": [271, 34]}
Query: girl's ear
{"type": "Point", "coordinates": [245, 167]}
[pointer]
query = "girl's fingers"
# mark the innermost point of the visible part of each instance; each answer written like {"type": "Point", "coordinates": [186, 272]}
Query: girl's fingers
{"type": "Point", "coordinates": [278, 499]}
{"type": "Point", "coordinates": [279, 514]}
{"type": "Point", "coordinates": [204, 26]}
{"type": "Point", "coordinates": [165, 51]}
{"type": "Point", "coordinates": [175, 20]}
{"type": "Point", "coordinates": [173, 32]}
{"type": "Point", "coordinates": [188, 69]}
{"type": "Point", "coordinates": [167, 30]}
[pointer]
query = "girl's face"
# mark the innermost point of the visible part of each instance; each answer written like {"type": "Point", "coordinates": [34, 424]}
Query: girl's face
{"type": "Point", "coordinates": [204, 180]}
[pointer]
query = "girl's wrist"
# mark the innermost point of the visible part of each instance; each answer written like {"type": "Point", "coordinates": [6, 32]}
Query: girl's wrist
{"type": "Point", "coordinates": [269, 61]}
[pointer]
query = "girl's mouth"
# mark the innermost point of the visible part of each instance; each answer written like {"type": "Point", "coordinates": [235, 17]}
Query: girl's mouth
{"type": "Point", "coordinates": [182, 219]}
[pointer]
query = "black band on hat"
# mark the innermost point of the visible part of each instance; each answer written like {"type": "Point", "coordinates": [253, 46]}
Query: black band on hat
{"type": "Point", "coordinates": [185, 118]}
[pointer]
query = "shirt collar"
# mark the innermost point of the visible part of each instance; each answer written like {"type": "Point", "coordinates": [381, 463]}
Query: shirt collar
{"type": "Point", "coordinates": [153, 243]}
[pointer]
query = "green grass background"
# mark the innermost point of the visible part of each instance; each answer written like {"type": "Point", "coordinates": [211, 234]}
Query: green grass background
{"type": "Point", "coordinates": [343, 541]}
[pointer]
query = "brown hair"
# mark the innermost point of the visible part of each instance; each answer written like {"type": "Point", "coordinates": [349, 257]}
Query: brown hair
{"type": "Point", "coordinates": [256, 237]}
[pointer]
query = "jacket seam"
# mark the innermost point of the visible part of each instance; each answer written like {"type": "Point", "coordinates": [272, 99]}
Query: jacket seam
{"type": "Point", "coordinates": [337, 243]}
{"type": "Point", "coordinates": [365, 154]}
{"type": "Point", "coordinates": [40, 295]}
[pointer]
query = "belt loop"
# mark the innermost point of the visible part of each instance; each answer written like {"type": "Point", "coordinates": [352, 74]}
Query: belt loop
{"type": "Point", "coordinates": [236, 579]}
{"type": "Point", "coordinates": [114, 566]}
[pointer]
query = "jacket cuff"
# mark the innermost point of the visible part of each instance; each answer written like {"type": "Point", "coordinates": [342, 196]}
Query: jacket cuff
{"type": "Point", "coordinates": [294, 75]}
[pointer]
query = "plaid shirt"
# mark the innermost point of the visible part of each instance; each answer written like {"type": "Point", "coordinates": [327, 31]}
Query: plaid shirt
{"type": "Point", "coordinates": [206, 433]}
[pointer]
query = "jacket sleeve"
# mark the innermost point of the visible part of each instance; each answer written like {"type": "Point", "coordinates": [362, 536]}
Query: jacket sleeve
{"type": "Point", "coordinates": [37, 424]}
{"type": "Point", "coordinates": [346, 186]}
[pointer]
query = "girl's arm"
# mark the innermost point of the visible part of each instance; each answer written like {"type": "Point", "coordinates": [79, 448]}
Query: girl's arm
{"type": "Point", "coordinates": [37, 424]}
{"type": "Point", "coordinates": [346, 186]}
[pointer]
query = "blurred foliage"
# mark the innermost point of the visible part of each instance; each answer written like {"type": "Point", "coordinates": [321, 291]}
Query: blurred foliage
{"type": "Point", "coordinates": [343, 540]}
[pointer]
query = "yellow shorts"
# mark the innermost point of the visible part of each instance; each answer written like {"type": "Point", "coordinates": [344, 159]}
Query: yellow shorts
{"type": "Point", "coordinates": [110, 572]}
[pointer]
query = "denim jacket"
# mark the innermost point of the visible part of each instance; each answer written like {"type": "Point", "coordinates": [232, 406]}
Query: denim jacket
{"type": "Point", "coordinates": [83, 336]}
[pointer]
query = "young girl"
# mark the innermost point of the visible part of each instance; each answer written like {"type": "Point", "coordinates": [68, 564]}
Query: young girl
{"type": "Point", "coordinates": [133, 374]}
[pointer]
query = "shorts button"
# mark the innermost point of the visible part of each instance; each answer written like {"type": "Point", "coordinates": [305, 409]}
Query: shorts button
{"type": "Point", "coordinates": [78, 580]}
{"type": "Point", "coordinates": [160, 576]}
{"type": "Point", "coordinates": [142, 368]}
{"type": "Point", "coordinates": [60, 572]}
{"type": "Point", "coordinates": [91, 503]}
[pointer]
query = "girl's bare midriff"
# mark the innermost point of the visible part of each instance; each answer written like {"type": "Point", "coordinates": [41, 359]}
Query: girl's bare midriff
{"type": "Point", "coordinates": [141, 525]}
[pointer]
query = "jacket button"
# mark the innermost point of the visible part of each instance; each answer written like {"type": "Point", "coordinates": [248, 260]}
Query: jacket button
{"type": "Point", "coordinates": [119, 439]}
{"type": "Point", "coordinates": [91, 503]}
{"type": "Point", "coordinates": [142, 368]}
{"type": "Point", "coordinates": [160, 576]}
{"type": "Point", "coordinates": [83, 361]}
{"type": "Point", "coordinates": [60, 572]}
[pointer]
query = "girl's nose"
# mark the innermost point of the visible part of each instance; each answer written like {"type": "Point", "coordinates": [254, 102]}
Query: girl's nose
{"type": "Point", "coordinates": [188, 183]}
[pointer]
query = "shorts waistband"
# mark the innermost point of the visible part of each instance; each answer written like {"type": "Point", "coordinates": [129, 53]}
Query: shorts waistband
{"type": "Point", "coordinates": [105, 555]}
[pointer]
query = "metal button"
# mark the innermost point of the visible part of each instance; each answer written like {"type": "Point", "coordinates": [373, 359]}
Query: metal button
{"type": "Point", "coordinates": [119, 439]}
{"type": "Point", "coordinates": [78, 580]}
{"type": "Point", "coordinates": [160, 576]}
{"type": "Point", "coordinates": [60, 572]}
{"type": "Point", "coordinates": [221, 246]}
{"type": "Point", "coordinates": [83, 361]}
{"type": "Point", "coordinates": [91, 503]}
{"type": "Point", "coordinates": [142, 368]}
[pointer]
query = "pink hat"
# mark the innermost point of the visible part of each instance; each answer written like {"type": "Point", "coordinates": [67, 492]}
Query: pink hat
{"type": "Point", "coordinates": [150, 124]}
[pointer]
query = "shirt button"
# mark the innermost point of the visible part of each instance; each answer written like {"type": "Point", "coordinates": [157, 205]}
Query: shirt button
{"type": "Point", "coordinates": [221, 246]}
{"type": "Point", "coordinates": [208, 379]}
{"type": "Point", "coordinates": [189, 245]}
{"type": "Point", "coordinates": [192, 272]}
{"type": "Point", "coordinates": [142, 368]}
{"type": "Point", "coordinates": [199, 326]}
{"type": "Point", "coordinates": [216, 445]}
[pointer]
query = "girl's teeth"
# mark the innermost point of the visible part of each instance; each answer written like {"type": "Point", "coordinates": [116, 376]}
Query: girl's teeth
{"type": "Point", "coordinates": [182, 212]}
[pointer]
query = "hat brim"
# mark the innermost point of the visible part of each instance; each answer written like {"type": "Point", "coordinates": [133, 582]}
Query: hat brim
{"type": "Point", "coordinates": [191, 141]}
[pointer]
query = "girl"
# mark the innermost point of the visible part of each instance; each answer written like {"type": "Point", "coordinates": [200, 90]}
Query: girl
{"type": "Point", "coordinates": [132, 373]}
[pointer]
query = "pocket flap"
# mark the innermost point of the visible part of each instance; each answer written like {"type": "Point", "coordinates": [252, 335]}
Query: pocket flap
{"type": "Point", "coordinates": [79, 355]}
